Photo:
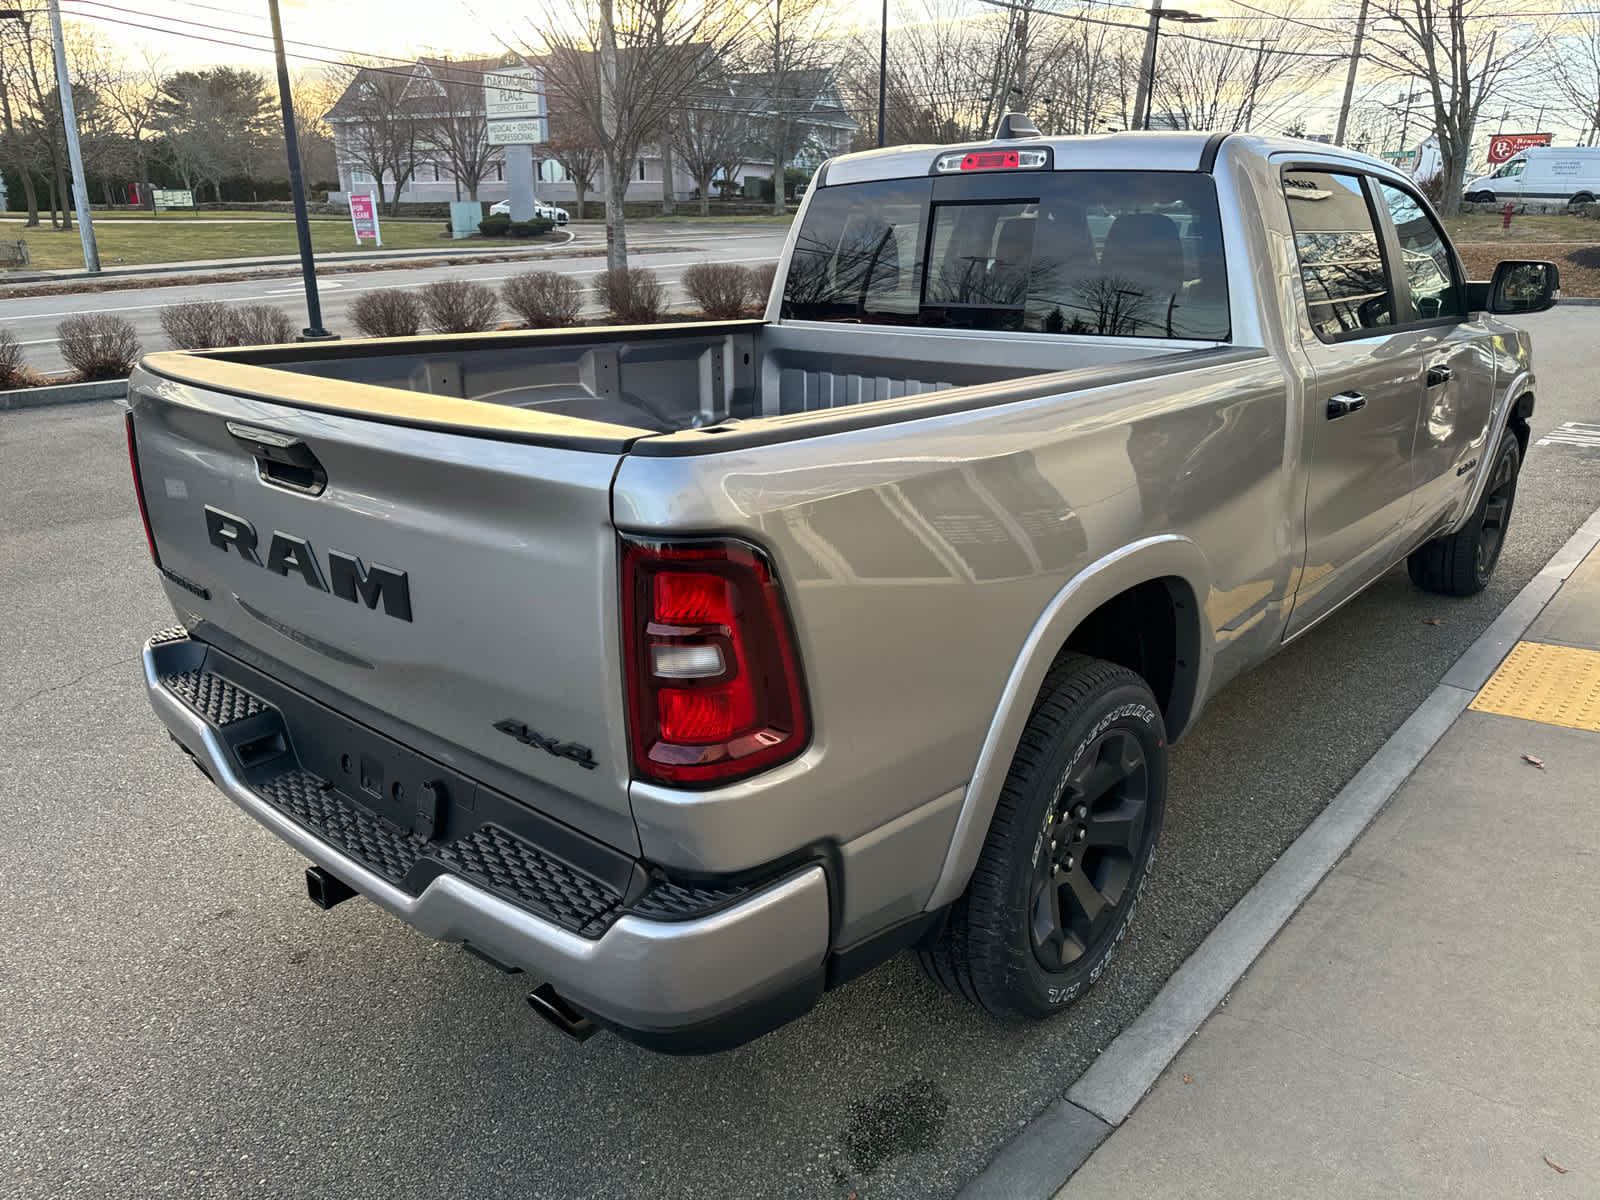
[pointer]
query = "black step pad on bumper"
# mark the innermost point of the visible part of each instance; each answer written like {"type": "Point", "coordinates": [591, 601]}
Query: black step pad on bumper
{"type": "Point", "coordinates": [407, 818]}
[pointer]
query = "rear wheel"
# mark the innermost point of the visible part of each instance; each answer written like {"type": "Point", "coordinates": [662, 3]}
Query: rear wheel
{"type": "Point", "coordinates": [1582, 198]}
{"type": "Point", "coordinates": [1462, 563]}
{"type": "Point", "coordinates": [1070, 846]}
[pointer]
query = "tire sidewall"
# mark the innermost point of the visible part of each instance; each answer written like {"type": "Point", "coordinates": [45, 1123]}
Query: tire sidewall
{"type": "Point", "coordinates": [1126, 705]}
{"type": "Point", "coordinates": [1507, 446]}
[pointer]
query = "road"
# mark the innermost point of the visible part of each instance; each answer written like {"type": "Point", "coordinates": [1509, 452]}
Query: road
{"type": "Point", "coordinates": [33, 321]}
{"type": "Point", "coordinates": [180, 1021]}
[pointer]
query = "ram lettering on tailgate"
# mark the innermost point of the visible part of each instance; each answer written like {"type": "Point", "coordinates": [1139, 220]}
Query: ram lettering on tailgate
{"type": "Point", "coordinates": [347, 576]}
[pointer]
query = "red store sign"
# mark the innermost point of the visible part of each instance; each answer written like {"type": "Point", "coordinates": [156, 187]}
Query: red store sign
{"type": "Point", "coordinates": [1505, 146]}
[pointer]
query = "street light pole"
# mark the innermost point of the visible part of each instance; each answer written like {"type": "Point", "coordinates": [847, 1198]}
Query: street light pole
{"type": "Point", "coordinates": [1144, 100]}
{"type": "Point", "coordinates": [297, 188]}
{"type": "Point", "coordinates": [69, 118]}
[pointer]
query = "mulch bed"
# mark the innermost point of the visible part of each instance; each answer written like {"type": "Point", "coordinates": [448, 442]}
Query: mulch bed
{"type": "Point", "coordinates": [1580, 264]}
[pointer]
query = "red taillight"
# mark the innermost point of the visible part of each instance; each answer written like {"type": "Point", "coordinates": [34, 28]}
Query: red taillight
{"type": "Point", "coordinates": [138, 491]}
{"type": "Point", "coordinates": [714, 691]}
{"type": "Point", "coordinates": [989, 160]}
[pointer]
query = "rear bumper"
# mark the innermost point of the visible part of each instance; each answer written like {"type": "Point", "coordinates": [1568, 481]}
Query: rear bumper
{"type": "Point", "coordinates": [753, 959]}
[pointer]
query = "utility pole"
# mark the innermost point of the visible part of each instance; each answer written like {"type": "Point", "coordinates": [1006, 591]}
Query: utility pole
{"type": "Point", "coordinates": [883, 70]}
{"type": "Point", "coordinates": [1350, 75]}
{"type": "Point", "coordinates": [69, 118]}
{"type": "Point", "coordinates": [1147, 67]}
{"type": "Point", "coordinates": [313, 332]}
{"type": "Point", "coordinates": [1255, 81]}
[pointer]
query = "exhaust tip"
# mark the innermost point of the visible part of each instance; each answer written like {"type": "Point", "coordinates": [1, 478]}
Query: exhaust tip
{"type": "Point", "coordinates": [326, 890]}
{"type": "Point", "coordinates": [545, 1001]}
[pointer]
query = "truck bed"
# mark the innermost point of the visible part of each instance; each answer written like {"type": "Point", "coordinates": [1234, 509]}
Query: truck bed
{"type": "Point", "coordinates": [609, 386]}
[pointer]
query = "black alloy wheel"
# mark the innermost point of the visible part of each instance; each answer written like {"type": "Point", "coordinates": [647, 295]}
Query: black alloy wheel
{"type": "Point", "coordinates": [1500, 496]}
{"type": "Point", "coordinates": [1091, 846]}
{"type": "Point", "coordinates": [1068, 850]}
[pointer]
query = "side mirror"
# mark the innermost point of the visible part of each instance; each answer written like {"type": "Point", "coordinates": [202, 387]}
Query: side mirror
{"type": "Point", "coordinates": [1521, 286]}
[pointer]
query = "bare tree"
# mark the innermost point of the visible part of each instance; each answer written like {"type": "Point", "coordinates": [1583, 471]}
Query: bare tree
{"type": "Point", "coordinates": [936, 83]}
{"type": "Point", "coordinates": [132, 93]}
{"type": "Point", "coordinates": [580, 157]}
{"type": "Point", "coordinates": [458, 127]}
{"type": "Point", "coordinates": [14, 37]}
{"type": "Point", "coordinates": [314, 92]}
{"type": "Point", "coordinates": [38, 115]}
{"type": "Point", "coordinates": [1577, 68]}
{"type": "Point", "coordinates": [712, 137]}
{"type": "Point", "coordinates": [624, 68]}
{"type": "Point", "coordinates": [1461, 52]}
{"type": "Point", "coordinates": [381, 131]}
{"type": "Point", "coordinates": [790, 49]}
{"type": "Point", "coordinates": [1215, 84]}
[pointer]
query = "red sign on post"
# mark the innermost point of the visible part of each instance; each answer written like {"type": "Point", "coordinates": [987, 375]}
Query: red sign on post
{"type": "Point", "coordinates": [364, 216]}
{"type": "Point", "coordinates": [1505, 146]}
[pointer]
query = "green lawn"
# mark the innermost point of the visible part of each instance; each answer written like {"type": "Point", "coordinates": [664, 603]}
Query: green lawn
{"type": "Point", "coordinates": [177, 240]}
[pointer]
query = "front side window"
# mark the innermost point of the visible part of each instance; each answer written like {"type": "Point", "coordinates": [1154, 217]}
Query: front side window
{"type": "Point", "coordinates": [1429, 269]}
{"type": "Point", "coordinates": [1341, 260]}
{"type": "Point", "coordinates": [1512, 169]}
{"type": "Point", "coordinates": [1102, 253]}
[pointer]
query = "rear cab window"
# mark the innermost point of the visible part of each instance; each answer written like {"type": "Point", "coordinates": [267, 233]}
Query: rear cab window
{"type": "Point", "coordinates": [1103, 253]}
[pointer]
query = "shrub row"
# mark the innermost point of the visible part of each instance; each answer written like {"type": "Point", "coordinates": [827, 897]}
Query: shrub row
{"type": "Point", "coordinates": [95, 345]}
{"type": "Point", "coordinates": [105, 346]}
{"type": "Point", "coordinates": [500, 225]}
{"type": "Point", "coordinates": [551, 300]}
{"type": "Point", "coordinates": [207, 324]}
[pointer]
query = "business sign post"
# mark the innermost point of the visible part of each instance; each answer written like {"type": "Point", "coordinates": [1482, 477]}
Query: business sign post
{"type": "Point", "coordinates": [1503, 147]}
{"type": "Point", "coordinates": [364, 216]}
{"type": "Point", "coordinates": [513, 100]}
{"type": "Point", "coordinates": [166, 198]}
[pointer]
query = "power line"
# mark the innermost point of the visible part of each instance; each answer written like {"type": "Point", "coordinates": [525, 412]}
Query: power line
{"type": "Point", "coordinates": [467, 75]}
{"type": "Point", "coordinates": [1190, 37]}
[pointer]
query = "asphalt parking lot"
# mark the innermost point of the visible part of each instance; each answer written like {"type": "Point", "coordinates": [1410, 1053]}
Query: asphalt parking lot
{"type": "Point", "coordinates": [178, 1020]}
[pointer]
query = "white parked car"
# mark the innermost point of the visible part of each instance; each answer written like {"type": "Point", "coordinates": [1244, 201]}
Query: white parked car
{"type": "Point", "coordinates": [541, 211]}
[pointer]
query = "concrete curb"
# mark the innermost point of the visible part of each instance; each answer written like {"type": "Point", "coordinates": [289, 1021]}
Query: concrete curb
{"type": "Point", "coordinates": [1040, 1159]}
{"type": "Point", "coordinates": [63, 393]}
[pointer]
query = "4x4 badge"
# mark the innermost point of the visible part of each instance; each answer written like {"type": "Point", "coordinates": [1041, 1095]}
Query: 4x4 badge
{"type": "Point", "coordinates": [571, 751]}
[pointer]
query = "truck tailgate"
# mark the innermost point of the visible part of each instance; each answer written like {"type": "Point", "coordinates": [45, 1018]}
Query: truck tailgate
{"type": "Point", "coordinates": [451, 582]}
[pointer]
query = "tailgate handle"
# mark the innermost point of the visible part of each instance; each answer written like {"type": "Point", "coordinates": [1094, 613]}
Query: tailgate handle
{"type": "Point", "coordinates": [281, 460]}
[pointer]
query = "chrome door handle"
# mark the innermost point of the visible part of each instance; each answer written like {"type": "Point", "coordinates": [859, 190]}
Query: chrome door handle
{"type": "Point", "coordinates": [1438, 375]}
{"type": "Point", "coordinates": [1344, 404]}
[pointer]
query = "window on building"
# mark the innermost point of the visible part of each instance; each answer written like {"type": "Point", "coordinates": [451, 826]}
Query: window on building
{"type": "Point", "coordinates": [1341, 259]}
{"type": "Point", "coordinates": [641, 168]}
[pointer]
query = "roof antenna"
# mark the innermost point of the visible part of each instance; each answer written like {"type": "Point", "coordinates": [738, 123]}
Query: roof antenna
{"type": "Point", "coordinates": [1014, 125]}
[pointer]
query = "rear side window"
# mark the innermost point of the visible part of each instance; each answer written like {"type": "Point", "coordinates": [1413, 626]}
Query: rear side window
{"type": "Point", "coordinates": [1435, 291]}
{"type": "Point", "coordinates": [1104, 253]}
{"type": "Point", "coordinates": [1341, 258]}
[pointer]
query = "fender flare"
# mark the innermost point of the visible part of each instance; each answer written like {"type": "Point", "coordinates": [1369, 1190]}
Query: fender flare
{"type": "Point", "coordinates": [1159, 557]}
{"type": "Point", "coordinates": [1521, 385]}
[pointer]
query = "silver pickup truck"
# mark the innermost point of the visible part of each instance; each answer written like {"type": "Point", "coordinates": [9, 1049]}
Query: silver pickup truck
{"type": "Point", "coordinates": [696, 668]}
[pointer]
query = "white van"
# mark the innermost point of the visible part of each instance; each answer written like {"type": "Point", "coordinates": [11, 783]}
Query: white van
{"type": "Point", "coordinates": [1570, 174]}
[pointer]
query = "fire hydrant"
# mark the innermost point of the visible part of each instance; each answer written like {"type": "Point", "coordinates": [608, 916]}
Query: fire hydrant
{"type": "Point", "coordinates": [1505, 216]}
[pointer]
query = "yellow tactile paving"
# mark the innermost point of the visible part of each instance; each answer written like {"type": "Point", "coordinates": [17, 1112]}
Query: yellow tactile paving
{"type": "Point", "coordinates": [1558, 685]}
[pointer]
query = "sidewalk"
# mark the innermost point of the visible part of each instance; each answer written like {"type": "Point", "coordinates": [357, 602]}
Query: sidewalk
{"type": "Point", "coordinates": [1428, 1023]}
{"type": "Point", "coordinates": [445, 249]}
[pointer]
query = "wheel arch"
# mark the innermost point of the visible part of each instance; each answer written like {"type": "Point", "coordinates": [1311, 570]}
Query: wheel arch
{"type": "Point", "coordinates": [1511, 412]}
{"type": "Point", "coordinates": [1166, 578]}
